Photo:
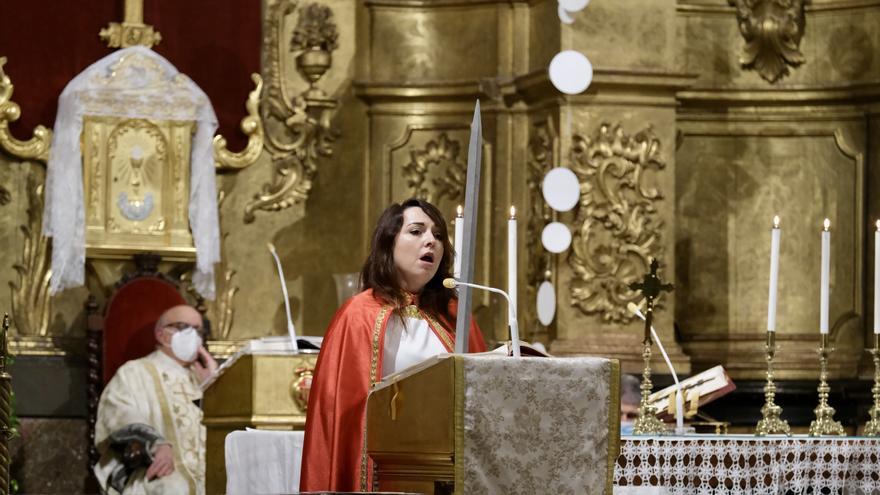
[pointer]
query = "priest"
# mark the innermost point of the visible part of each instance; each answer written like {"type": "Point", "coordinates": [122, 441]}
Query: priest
{"type": "Point", "coordinates": [149, 427]}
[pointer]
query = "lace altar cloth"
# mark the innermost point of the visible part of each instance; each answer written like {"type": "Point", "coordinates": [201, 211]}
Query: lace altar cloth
{"type": "Point", "coordinates": [743, 464]}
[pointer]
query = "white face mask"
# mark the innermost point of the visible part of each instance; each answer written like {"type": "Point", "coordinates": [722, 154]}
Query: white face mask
{"type": "Point", "coordinates": [185, 344]}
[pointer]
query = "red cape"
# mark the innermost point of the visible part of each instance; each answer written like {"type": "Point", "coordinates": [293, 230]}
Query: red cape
{"type": "Point", "coordinates": [350, 362]}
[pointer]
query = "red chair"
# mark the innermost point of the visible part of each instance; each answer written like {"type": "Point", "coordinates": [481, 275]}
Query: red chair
{"type": "Point", "coordinates": [126, 330]}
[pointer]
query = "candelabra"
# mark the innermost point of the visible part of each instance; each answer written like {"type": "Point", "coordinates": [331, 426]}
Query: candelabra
{"type": "Point", "coordinates": [824, 424]}
{"type": "Point", "coordinates": [872, 429]}
{"type": "Point", "coordinates": [771, 423]}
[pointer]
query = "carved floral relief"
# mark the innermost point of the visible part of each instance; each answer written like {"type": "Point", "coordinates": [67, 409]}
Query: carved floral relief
{"type": "Point", "coordinates": [772, 30]}
{"type": "Point", "coordinates": [617, 229]}
{"type": "Point", "coordinates": [436, 171]}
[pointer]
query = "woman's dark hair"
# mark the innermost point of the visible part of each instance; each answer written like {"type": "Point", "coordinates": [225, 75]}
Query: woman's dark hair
{"type": "Point", "coordinates": [380, 273]}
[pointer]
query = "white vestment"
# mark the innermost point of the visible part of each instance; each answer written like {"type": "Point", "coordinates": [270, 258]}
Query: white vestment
{"type": "Point", "coordinates": [156, 391]}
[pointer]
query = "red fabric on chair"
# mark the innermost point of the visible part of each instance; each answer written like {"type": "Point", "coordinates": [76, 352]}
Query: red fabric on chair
{"type": "Point", "coordinates": [131, 317]}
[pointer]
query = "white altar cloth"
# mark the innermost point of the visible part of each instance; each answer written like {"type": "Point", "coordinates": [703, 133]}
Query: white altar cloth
{"type": "Point", "coordinates": [263, 462]}
{"type": "Point", "coordinates": [745, 464]}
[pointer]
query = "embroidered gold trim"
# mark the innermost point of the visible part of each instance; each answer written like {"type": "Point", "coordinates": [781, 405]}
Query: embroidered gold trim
{"type": "Point", "coordinates": [410, 311]}
{"type": "Point", "coordinates": [374, 365]}
{"type": "Point", "coordinates": [613, 424]}
{"type": "Point", "coordinates": [458, 423]}
{"type": "Point", "coordinates": [170, 429]}
{"type": "Point", "coordinates": [440, 332]}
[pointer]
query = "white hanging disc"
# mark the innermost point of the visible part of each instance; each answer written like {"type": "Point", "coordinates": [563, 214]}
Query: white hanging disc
{"type": "Point", "coordinates": [556, 237]}
{"type": "Point", "coordinates": [573, 5]}
{"type": "Point", "coordinates": [546, 303]}
{"type": "Point", "coordinates": [571, 72]}
{"type": "Point", "coordinates": [561, 189]}
{"type": "Point", "coordinates": [563, 15]}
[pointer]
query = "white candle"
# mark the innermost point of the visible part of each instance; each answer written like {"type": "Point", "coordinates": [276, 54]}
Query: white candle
{"type": "Point", "coordinates": [877, 279]}
{"type": "Point", "coordinates": [511, 257]}
{"type": "Point", "coordinates": [774, 274]}
{"type": "Point", "coordinates": [459, 239]}
{"type": "Point", "coordinates": [824, 283]}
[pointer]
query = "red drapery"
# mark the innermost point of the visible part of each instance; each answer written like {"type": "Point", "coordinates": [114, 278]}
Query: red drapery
{"type": "Point", "coordinates": [47, 43]}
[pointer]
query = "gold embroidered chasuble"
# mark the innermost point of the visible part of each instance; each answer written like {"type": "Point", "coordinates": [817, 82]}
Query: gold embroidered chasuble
{"type": "Point", "coordinates": [156, 391]}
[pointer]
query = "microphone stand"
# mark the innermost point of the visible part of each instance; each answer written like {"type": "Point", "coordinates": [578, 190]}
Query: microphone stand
{"type": "Point", "coordinates": [514, 328]}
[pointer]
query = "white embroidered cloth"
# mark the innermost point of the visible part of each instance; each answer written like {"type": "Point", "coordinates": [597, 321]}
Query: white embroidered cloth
{"type": "Point", "coordinates": [743, 464]}
{"type": "Point", "coordinates": [133, 82]}
{"type": "Point", "coordinates": [537, 425]}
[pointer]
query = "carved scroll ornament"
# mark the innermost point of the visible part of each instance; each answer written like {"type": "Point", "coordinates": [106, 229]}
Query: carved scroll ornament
{"type": "Point", "coordinates": [298, 130]}
{"type": "Point", "coordinates": [772, 30]}
{"type": "Point", "coordinates": [36, 148]}
{"type": "Point", "coordinates": [440, 156]}
{"type": "Point", "coordinates": [252, 127]}
{"type": "Point", "coordinates": [617, 229]}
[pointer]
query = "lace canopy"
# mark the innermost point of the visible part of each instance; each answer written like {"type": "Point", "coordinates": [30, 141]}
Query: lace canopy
{"type": "Point", "coordinates": [137, 83]}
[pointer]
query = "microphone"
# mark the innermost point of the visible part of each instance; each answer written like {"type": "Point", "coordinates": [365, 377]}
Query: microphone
{"type": "Point", "coordinates": [290, 328]}
{"type": "Point", "coordinates": [451, 283]}
{"type": "Point", "coordinates": [679, 398]}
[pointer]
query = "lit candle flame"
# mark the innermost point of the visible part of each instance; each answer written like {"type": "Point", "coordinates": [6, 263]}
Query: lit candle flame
{"type": "Point", "coordinates": [459, 211]}
{"type": "Point", "coordinates": [776, 221]}
{"type": "Point", "coordinates": [513, 213]}
{"type": "Point", "coordinates": [878, 224]}
{"type": "Point", "coordinates": [826, 224]}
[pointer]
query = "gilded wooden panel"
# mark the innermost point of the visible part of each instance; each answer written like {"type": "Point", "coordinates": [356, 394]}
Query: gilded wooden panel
{"type": "Point", "coordinates": [746, 174]}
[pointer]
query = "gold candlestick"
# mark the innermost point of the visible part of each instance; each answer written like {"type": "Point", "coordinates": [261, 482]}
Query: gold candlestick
{"type": "Point", "coordinates": [872, 428]}
{"type": "Point", "coordinates": [824, 424]}
{"type": "Point", "coordinates": [771, 423]}
{"type": "Point", "coordinates": [647, 422]}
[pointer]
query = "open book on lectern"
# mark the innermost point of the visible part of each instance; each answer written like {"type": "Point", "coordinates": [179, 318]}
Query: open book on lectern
{"type": "Point", "coordinates": [697, 390]}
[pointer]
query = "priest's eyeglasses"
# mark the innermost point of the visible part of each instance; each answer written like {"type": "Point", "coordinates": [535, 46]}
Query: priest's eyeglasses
{"type": "Point", "coordinates": [177, 326]}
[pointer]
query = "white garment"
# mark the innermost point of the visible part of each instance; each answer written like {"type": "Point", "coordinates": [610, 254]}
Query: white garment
{"type": "Point", "coordinates": [260, 461]}
{"type": "Point", "coordinates": [156, 391]}
{"type": "Point", "coordinates": [133, 82]}
{"type": "Point", "coordinates": [408, 345]}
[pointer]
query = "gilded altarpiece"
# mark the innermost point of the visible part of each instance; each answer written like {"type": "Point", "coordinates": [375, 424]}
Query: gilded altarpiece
{"type": "Point", "coordinates": [136, 187]}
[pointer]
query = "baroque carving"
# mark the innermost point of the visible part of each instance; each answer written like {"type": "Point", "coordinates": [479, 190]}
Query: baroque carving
{"type": "Point", "coordinates": [772, 30]}
{"type": "Point", "coordinates": [448, 181]}
{"type": "Point", "coordinates": [35, 148]}
{"type": "Point", "coordinates": [252, 126]}
{"type": "Point", "coordinates": [617, 229]}
{"type": "Point", "coordinates": [31, 303]}
{"type": "Point", "coordinates": [298, 130]}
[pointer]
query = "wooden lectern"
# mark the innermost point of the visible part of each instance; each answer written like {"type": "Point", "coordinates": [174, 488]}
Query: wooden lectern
{"type": "Point", "coordinates": [262, 390]}
{"type": "Point", "coordinates": [478, 423]}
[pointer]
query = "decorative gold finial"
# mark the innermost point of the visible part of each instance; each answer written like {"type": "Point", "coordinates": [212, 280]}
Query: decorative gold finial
{"type": "Point", "coordinates": [132, 31]}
